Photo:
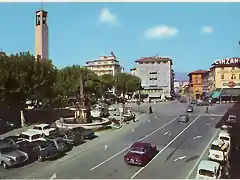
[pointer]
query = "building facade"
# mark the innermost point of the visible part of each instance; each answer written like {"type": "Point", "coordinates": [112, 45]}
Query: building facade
{"type": "Point", "coordinates": [196, 83]}
{"type": "Point", "coordinates": [133, 71]}
{"type": "Point", "coordinates": [226, 76]}
{"type": "Point", "coordinates": [41, 34]}
{"type": "Point", "coordinates": [105, 65]}
{"type": "Point", "coordinates": [156, 76]}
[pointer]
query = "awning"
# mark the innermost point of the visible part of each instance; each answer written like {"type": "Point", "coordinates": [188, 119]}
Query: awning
{"type": "Point", "coordinates": [216, 94]}
{"type": "Point", "coordinates": [230, 92]}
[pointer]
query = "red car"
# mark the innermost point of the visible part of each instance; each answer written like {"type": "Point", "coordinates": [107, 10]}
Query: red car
{"type": "Point", "coordinates": [140, 154]}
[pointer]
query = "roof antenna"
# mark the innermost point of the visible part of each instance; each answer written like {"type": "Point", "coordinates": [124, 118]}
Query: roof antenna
{"type": "Point", "coordinates": [41, 6]}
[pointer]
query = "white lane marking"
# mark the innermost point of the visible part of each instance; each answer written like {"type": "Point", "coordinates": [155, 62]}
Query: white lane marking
{"type": "Point", "coordinates": [133, 130]}
{"type": "Point", "coordinates": [164, 148]}
{"type": "Point", "coordinates": [166, 133]}
{"type": "Point", "coordinates": [200, 158]}
{"type": "Point", "coordinates": [131, 145]}
{"type": "Point", "coordinates": [169, 133]}
{"type": "Point", "coordinates": [149, 120]}
{"type": "Point", "coordinates": [197, 137]}
{"type": "Point", "coordinates": [54, 176]}
{"type": "Point", "coordinates": [208, 124]}
{"type": "Point", "coordinates": [105, 147]}
{"type": "Point", "coordinates": [179, 158]}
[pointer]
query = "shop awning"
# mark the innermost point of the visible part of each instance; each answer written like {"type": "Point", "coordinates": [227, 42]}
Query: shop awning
{"type": "Point", "coordinates": [216, 94]}
{"type": "Point", "coordinates": [230, 92]}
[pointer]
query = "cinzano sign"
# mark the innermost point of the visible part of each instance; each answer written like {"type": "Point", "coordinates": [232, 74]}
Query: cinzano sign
{"type": "Point", "coordinates": [228, 61]}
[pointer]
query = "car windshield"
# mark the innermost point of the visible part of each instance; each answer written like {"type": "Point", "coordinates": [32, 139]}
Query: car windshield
{"type": "Point", "coordinates": [205, 172]}
{"type": "Point", "coordinates": [183, 117]}
{"type": "Point", "coordinates": [232, 118]}
{"type": "Point", "coordinates": [217, 148]}
{"type": "Point", "coordinates": [6, 150]}
{"type": "Point", "coordinates": [224, 138]}
{"type": "Point", "coordinates": [139, 150]}
{"type": "Point", "coordinates": [24, 136]}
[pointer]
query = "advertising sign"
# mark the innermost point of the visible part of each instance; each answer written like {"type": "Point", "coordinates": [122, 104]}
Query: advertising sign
{"type": "Point", "coordinates": [228, 61]}
{"type": "Point", "coordinates": [231, 84]}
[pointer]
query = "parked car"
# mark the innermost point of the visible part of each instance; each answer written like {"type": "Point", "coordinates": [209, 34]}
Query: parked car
{"type": "Point", "coordinates": [194, 102]}
{"type": "Point", "coordinates": [225, 136]}
{"type": "Point", "coordinates": [183, 100]}
{"type": "Point", "coordinates": [71, 137]}
{"type": "Point", "coordinates": [183, 118]}
{"type": "Point", "coordinates": [226, 128]}
{"type": "Point", "coordinates": [209, 170]}
{"type": "Point", "coordinates": [44, 129]}
{"type": "Point", "coordinates": [31, 135]}
{"type": "Point", "coordinates": [140, 154]}
{"type": "Point", "coordinates": [85, 133]}
{"type": "Point", "coordinates": [218, 151]}
{"type": "Point", "coordinates": [12, 140]}
{"type": "Point", "coordinates": [190, 109]}
{"type": "Point", "coordinates": [10, 156]}
{"type": "Point", "coordinates": [61, 145]}
{"type": "Point", "coordinates": [43, 150]}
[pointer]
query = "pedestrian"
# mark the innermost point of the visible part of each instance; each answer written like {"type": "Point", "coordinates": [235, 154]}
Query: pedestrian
{"type": "Point", "coordinates": [150, 109]}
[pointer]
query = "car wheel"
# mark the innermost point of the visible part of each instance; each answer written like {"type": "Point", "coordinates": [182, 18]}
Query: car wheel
{"type": "Point", "coordinates": [40, 158]}
{"type": "Point", "coordinates": [5, 165]}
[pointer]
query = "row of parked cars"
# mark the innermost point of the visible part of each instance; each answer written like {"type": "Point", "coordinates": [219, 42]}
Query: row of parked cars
{"type": "Point", "coordinates": [40, 143]}
{"type": "Point", "coordinates": [217, 166]}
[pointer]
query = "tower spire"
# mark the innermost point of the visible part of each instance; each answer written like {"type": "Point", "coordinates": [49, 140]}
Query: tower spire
{"type": "Point", "coordinates": [41, 7]}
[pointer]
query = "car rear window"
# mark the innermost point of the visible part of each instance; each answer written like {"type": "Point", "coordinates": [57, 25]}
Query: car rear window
{"type": "Point", "coordinates": [37, 128]}
{"type": "Point", "coordinates": [205, 172]}
{"type": "Point", "coordinates": [138, 149]}
{"type": "Point", "coordinates": [46, 127]}
{"type": "Point", "coordinates": [24, 136]}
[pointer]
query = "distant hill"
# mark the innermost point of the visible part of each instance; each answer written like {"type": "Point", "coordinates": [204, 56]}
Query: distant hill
{"type": "Point", "coordinates": [181, 76]}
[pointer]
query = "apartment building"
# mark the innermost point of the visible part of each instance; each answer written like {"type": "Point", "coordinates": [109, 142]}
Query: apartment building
{"type": "Point", "coordinates": [105, 65]}
{"type": "Point", "coordinates": [157, 76]}
{"type": "Point", "coordinates": [225, 74]}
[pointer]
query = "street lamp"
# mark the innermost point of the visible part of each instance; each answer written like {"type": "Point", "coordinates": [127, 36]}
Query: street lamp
{"type": "Point", "coordinates": [139, 96]}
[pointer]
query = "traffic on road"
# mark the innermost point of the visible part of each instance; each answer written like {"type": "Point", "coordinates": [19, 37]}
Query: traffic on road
{"type": "Point", "coordinates": [173, 141]}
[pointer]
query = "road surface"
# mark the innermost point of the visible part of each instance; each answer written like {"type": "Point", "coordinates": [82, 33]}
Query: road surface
{"type": "Point", "coordinates": [181, 147]}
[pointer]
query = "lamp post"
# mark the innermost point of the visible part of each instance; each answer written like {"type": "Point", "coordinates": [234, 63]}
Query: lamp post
{"type": "Point", "coordinates": [139, 96]}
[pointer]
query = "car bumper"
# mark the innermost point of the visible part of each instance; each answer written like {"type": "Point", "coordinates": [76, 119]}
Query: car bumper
{"type": "Point", "coordinates": [133, 162]}
{"type": "Point", "coordinates": [18, 162]}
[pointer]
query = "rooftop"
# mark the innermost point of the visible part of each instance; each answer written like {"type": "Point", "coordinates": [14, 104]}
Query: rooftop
{"type": "Point", "coordinates": [199, 71]}
{"type": "Point", "coordinates": [154, 58]}
{"type": "Point", "coordinates": [208, 165]}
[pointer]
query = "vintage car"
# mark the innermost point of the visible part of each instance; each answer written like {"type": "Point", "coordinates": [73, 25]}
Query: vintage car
{"type": "Point", "coordinates": [209, 170]}
{"type": "Point", "coordinates": [232, 119]}
{"type": "Point", "coordinates": [85, 133]}
{"type": "Point", "coordinates": [219, 151]}
{"type": "Point", "coordinates": [140, 154]}
{"type": "Point", "coordinates": [190, 109]}
{"type": "Point", "coordinates": [10, 156]}
{"type": "Point", "coordinates": [71, 137]}
{"type": "Point", "coordinates": [44, 129]}
{"type": "Point", "coordinates": [61, 145]}
{"type": "Point", "coordinates": [225, 136]}
{"type": "Point", "coordinates": [31, 135]}
{"type": "Point", "coordinates": [183, 118]}
{"type": "Point", "coordinates": [43, 150]}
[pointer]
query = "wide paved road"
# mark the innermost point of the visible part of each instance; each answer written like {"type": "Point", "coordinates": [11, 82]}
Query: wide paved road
{"type": "Point", "coordinates": [181, 147]}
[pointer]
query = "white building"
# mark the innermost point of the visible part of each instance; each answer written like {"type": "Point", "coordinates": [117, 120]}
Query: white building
{"type": "Point", "coordinates": [105, 65]}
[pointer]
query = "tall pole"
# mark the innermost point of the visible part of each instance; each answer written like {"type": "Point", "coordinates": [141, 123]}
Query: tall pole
{"type": "Point", "coordinates": [138, 103]}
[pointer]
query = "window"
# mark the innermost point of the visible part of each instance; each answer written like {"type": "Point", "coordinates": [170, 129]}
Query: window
{"type": "Point", "coordinates": [233, 76]}
{"type": "Point", "coordinates": [153, 78]}
{"type": "Point", "coordinates": [155, 72]}
{"type": "Point", "coordinates": [37, 128]}
{"type": "Point", "coordinates": [36, 136]}
{"type": "Point", "coordinates": [222, 76]}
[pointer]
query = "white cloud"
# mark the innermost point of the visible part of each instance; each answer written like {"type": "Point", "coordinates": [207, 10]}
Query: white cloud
{"type": "Point", "coordinates": [107, 17]}
{"type": "Point", "coordinates": [161, 31]}
{"type": "Point", "coordinates": [207, 29]}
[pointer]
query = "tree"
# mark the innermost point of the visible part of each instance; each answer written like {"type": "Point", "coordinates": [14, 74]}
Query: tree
{"type": "Point", "coordinates": [107, 81]}
{"type": "Point", "coordinates": [126, 83]}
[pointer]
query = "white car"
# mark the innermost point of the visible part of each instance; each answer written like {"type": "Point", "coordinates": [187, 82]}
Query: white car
{"type": "Point", "coordinates": [225, 136]}
{"type": "Point", "coordinates": [218, 151]}
{"type": "Point", "coordinates": [44, 129]}
{"type": "Point", "coordinates": [31, 135]}
{"type": "Point", "coordinates": [226, 128]}
{"type": "Point", "coordinates": [209, 170]}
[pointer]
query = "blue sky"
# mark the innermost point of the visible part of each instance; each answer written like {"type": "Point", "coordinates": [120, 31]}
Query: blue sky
{"type": "Point", "coordinates": [194, 35]}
